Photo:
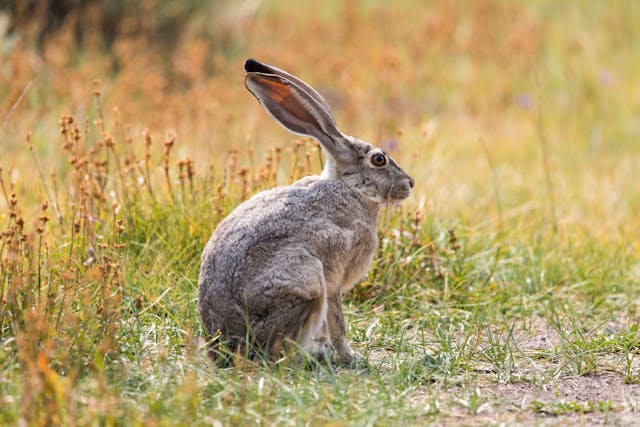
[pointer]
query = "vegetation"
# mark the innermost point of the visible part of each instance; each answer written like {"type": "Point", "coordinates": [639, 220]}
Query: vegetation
{"type": "Point", "coordinates": [506, 290]}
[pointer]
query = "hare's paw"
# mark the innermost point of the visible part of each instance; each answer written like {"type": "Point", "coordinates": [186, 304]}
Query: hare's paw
{"type": "Point", "coordinates": [344, 354]}
{"type": "Point", "coordinates": [320, 349]}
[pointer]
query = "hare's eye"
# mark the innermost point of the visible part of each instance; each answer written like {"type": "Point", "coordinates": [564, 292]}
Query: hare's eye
{"type": "Point", "coordinates": [378, 160]}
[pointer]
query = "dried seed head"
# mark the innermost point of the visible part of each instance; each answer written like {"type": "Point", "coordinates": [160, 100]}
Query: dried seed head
{"type": "Point", "coordinates": [108, 140]}
{"type": "Point", "coordinates": [168, 143]}
{"type": "Point", "coordinates": [97, 87]}
{"type": "Point", "coordinates": [147, 137]}
{"type": "Point", "coordinates": [190, 171]}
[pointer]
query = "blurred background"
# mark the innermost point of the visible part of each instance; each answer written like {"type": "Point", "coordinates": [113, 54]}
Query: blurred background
{"type": "Point", "coordinates": [523, 113]}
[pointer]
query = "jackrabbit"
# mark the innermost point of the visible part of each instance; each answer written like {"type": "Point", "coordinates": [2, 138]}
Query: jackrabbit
{"type": "Point", "coordinates": [274, 270]}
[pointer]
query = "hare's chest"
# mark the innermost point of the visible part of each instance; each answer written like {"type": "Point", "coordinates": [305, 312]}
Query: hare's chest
{"type": "Point", "coordinates": [357, 269]}
{"type": "Point", "coordinates": [352, 264]}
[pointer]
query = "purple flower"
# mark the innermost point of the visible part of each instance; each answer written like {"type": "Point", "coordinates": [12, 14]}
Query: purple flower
{"type": "Point", "coordinates": [524, 101]}
{"type": "Point", "coordinates": [390, 144]}
{"type": "Point", "coordinates": [606, 78]}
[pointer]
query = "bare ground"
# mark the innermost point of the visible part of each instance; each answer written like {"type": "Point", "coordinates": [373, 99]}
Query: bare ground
{"type": "Point", "coordinates": [539, 391]}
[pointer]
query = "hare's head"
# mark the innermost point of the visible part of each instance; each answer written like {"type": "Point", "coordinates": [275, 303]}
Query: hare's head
{"type": "Point", "coordinates": [300, 109]}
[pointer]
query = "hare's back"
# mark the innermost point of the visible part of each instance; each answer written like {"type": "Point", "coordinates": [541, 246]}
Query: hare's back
{"type": "Point", "coordinates": [287, 211]}
{"type": "Point", "coordinates": [318, 216]}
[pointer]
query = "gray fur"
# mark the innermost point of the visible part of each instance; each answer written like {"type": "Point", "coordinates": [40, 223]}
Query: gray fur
{"type": "Point", "coordinates": [275, 269]}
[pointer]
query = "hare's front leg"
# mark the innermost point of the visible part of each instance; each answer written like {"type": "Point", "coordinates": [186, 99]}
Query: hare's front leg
{"type": "Point", "coordinates": [338, 330]}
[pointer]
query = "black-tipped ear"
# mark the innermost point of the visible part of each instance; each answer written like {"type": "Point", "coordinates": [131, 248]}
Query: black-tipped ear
{"type": "Point", "coordinates": [296, 110]}
{"type": "Point", "coordinates": [253, 66]}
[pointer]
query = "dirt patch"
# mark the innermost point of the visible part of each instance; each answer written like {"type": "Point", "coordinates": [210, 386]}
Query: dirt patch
{"type": "Point", "coordinates": [539, 340]}
{"type": "Point", "coordinates": [602, 398]}
{"type": "Point", "coordinates": [540, 387]}
{"type": "Point", "coordinates": [585, 400]}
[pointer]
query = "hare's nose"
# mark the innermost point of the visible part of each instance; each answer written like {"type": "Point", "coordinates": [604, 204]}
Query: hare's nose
{"type": "Point", "coordinates": [411, 182]}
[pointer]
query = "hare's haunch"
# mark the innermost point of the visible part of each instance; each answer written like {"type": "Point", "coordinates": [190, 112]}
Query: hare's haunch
{"type": "Point", "coordinates": [274, 270]}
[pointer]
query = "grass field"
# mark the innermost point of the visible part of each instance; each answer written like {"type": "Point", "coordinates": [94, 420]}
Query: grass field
{"type": "Point", "coordinates": [506, 290]}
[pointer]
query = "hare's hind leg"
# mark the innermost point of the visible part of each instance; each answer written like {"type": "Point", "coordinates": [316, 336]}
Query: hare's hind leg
{"type": "Point", "coordinates": [313, 337]}
{"type": "Point", "coordinates": [290, 304]}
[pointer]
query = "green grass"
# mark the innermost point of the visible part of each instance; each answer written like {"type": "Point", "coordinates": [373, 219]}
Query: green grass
{"type": "Point", "coordinates": [504, 291]}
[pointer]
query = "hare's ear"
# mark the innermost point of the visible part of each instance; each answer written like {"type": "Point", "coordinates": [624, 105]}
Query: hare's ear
{"type": "Point", "coordinates": [297, 111]}
{"type": "Point", "coordinates": [253, 66]}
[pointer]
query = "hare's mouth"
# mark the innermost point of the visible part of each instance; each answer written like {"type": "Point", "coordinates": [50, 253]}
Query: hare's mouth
{"type": "Point", "coordinates": [399, 192]}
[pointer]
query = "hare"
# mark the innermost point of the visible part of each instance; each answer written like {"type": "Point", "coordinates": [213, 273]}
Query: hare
{"type": "Point", "coordinates": [274, 271]}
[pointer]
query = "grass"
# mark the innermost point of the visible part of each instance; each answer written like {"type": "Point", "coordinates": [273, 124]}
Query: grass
{"type": "Point", "coordinates": [504, 291]}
